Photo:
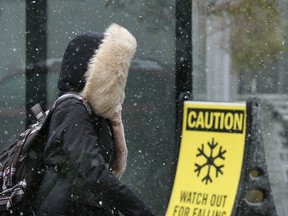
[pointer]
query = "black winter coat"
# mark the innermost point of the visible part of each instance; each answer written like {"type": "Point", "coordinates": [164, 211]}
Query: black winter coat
{"type": "Point", "coordinates": [78, 180]}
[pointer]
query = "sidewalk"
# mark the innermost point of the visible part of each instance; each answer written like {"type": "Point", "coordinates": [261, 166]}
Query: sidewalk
{"type": "Point", "coordinates": [275, 128]}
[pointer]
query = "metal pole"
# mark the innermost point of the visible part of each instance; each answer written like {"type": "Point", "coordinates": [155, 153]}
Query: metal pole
{"type": "Point", "coordinates": [183, 57]}
{"type": "Point", "coordinates": [36, 54]}
{"type": "Point", "coordinates": [183, 63]}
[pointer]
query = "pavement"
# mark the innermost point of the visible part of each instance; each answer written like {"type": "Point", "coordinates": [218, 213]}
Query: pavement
{"type": "Point", "coordinates": [275, 136]}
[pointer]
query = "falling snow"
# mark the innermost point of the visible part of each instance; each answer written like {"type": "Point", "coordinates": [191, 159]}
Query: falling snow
{"type": "Point", "coordinates": [234, 56]}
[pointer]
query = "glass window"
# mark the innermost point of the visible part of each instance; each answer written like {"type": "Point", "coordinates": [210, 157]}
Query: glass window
{"type": "Point", "coordinates": [149, 105]}
{"type": "Point", "coordinates": [12, 70]}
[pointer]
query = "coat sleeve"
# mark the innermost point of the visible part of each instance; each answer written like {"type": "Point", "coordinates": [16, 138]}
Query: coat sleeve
{"type": "Point", "coordinates": [80, 146]}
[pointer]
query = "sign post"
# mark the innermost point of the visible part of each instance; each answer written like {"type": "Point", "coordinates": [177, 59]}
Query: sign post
{"type": "Point", "coordinates": [210, 159]}
{"type": "Point", "coordinates": [221, 168]}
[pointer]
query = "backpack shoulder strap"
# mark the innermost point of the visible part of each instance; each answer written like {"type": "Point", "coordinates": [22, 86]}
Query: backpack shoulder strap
{"type": "Point", "coordinates": [73, 95]}
{"type": "Point", "coordinates": [41, 115]}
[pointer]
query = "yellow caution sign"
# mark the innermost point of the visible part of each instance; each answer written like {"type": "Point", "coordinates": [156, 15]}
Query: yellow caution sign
{"type": "Point", "coordinates": [210, 159]}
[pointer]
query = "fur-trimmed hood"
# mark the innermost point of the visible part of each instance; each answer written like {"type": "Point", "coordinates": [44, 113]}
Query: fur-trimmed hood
{"type": "Point", "coordinates": [96, 65]}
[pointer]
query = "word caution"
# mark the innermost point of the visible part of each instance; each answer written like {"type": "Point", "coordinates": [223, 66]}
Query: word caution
{"type": "Point", "coordinates": [216, 120]}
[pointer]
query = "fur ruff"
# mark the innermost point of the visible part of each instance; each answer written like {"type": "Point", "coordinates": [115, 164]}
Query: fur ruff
{"type": "Point", "coordinates": [107, 72]}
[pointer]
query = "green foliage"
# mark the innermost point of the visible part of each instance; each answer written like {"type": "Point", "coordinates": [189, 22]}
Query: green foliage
{"type": "Point", "coordinates": [255, 31]}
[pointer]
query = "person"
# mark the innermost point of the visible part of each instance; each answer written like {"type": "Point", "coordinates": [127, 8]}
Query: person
{"type": "Point", "coordinates": [86, 153]}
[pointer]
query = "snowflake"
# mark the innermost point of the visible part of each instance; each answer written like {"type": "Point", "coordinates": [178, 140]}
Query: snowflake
{"type": "Point", "coordinates": [210, 161]}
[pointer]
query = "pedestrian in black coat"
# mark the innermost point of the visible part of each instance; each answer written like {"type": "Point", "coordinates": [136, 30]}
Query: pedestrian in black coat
{"type": "Point", "coordinates": [86, 153]}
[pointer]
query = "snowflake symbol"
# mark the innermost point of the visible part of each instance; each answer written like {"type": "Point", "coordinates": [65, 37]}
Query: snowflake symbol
{"type": "Point", "coordinates": [210, 161]}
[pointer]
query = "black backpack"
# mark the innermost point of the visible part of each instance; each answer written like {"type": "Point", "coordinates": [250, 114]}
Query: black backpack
{"type": "Point", "coordinates": [22, 166]}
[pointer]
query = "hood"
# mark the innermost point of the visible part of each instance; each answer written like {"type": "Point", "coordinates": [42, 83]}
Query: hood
{"type": "Point", "coordinates": [75, 61]}
{"type": "Point", "coordinates": [96, 66]}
